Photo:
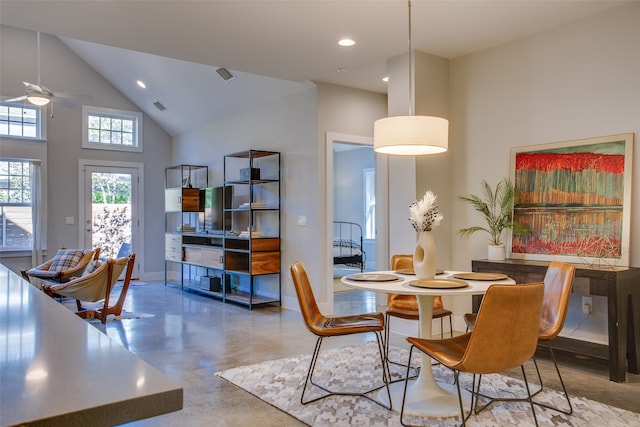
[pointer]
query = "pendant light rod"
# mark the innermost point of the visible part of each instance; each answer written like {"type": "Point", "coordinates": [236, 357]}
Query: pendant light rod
{"type": "Point", "coordinates": [411, 94]}
{"type": "Point", "coordinates": [411, 135]}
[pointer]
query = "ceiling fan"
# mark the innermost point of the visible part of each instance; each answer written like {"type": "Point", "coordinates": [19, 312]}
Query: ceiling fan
{"type": "Point", "coordinates": [38, 94]}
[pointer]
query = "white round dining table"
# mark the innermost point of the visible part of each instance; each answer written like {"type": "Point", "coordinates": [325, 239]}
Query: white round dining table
{"type": "Point", "coordinates": [425, 396]}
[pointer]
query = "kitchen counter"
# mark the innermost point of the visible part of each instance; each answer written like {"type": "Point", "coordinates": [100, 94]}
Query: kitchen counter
{"type": "Point", "coordinates": [58, 370]}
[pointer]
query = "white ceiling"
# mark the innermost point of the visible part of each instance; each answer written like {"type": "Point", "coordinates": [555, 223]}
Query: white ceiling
{"type": "Point", "coordinates": [274, 48]}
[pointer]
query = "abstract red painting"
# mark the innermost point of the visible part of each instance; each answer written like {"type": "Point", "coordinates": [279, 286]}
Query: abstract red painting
{"type": "Point", "coordinates": [573, 200]}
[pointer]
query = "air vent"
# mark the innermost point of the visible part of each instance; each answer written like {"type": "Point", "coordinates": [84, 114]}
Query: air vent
{"type": "Point", "coordinates": [159, 106]}
{"type": "Point", "coordinates": [225, 74]}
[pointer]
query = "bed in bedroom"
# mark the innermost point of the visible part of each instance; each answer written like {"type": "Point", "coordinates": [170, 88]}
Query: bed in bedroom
{"type": "Point", "coordinates": [347, 245]}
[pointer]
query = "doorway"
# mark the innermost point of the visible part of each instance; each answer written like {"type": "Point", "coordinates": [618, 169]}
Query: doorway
{"type": "Point", "coordinates": [354, 202]}
{"type": "Point", "coordinates": [110, 208]}
{"type": "Point", "coordinates": [373, 223]}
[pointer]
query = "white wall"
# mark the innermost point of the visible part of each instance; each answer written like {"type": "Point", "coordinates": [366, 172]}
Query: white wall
{"type": "Point", "coordinates": [577, 81]}
{"type": "Point", "coordinates": [288, 126]}
{"type": "Point", "coordinates": [295, 126]}
{"type": "Point", "coordinates": [63, 71]}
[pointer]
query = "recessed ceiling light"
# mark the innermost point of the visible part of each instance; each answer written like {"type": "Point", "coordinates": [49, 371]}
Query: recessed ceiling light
{"type": "Point", "coordinates": [385, 79]}
{"type": "Point", "coordinates": [141, 84]}
{"type": "Point", "coordinates": [346, 42]}
{"type": "Point", "coordinates": [342, 69]}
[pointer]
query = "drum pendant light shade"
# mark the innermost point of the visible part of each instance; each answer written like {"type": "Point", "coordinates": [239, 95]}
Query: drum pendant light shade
{"type": "Point", "coordinates": [411, 135]}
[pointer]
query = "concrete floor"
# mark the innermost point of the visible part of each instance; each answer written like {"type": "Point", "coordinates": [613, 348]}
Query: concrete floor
{"type": "Point", "coordinates": [192, 336]}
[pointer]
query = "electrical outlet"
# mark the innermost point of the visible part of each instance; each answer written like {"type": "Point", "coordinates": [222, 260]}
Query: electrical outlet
{"type": "Point", "coordinates": [587, 305]}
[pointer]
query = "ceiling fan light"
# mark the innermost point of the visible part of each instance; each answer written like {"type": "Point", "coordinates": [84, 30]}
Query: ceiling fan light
{"type": "Point", "coordinates": [38, 99]}
{"type": "Point", "coordinates": [411, 135]}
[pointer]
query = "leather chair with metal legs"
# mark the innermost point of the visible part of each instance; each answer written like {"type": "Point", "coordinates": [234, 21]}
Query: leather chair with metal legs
{"type": "Point", "coordinates": [504, 337]}
{"type": "Point", "coordinates": [558, 284]}
{"type": "Point", "coordinates": [324, 326]}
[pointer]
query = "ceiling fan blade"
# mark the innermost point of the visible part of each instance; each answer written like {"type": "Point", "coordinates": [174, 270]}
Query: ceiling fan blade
{"type": "Point", "coordinates": [76, 96]}
{"type": "Point", "coordinates": [33, 87]}
{"type": "Point", "coordinates": [18, 99]}
{"type": "Point", "coordinates": [65, 102]}
{"type": "Point", "coordinates": [46, 89]}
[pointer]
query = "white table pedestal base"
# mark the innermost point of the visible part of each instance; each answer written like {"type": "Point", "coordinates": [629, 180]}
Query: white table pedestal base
{"type": "Point", "coordinates": [438, 401]}
{"type": "Point", "coordinates": [425, 396]}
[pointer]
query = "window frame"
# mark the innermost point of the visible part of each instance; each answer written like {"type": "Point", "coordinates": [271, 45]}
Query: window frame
{"type": "Point", "coordinates": [88, 110]}
{"type": "Point", "coordinates": [3, 205]}
{"type": "Point", "coordinates": [41, 122]}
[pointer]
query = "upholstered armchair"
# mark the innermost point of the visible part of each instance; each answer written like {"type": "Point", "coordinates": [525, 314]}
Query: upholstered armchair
{"type": "Point", "coordinates": [65, 264]}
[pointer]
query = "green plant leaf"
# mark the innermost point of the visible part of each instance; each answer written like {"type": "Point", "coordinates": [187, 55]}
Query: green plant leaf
{"type": "Point", "coordinates": [496, 206]}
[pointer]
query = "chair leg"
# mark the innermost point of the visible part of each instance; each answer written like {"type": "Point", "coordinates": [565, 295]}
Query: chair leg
{"type": "Point", "coordinates": [386, 338]}
{"type": "Point", "coordinates": [450, 326]}
{"type": "Point", "coordinates": [387, 335]}
{"type": "Point", "coordinates": [406, 383]}
{"type": "Point", "coordinates": [116, 309]}
{"type": "Point", "coordinates": [529, 398]}
{"type": "Point", "coordinates": [474, 395]}
{"type": "Point", "coordinates": [386, 373]}
{"type": "Point", "coordinates": [564, 389]}
{"type": "Point", "coordinates": [312, 366]}
{"type": "Point", "coordinates": [521, 399]}
{"type": "Point", "coordinates": [25, 276]}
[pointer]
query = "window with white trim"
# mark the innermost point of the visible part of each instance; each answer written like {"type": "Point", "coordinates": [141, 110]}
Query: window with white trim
{"type": "Point", "coordinates": [109, 129]}
{"type": "Point", "coordinates": [16, 225]}
{"type": "Point", "coordinates": [22, 121]}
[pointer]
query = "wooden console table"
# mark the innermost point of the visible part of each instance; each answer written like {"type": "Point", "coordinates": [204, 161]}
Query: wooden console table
{"type": "Point", "coordinates": [621, 286]}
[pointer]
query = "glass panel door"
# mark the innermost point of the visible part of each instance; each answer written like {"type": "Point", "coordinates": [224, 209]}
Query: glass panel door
{"type": "Point", "coordinates": [111, 210]}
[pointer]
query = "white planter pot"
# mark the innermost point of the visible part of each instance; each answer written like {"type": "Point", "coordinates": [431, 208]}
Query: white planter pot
{"type": "Point", "coordinates": [496, 253]}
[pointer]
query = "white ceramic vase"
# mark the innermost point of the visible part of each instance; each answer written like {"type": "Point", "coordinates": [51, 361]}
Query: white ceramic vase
{"type": "Point", "coordinates": [496, 253]}
{"type": "Point", "coordinates": [425, 257]}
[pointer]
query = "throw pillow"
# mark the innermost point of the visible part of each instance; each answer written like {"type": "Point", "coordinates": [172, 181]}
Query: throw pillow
{"type": "Point", "coordinates": [91, 267]}
{"type": "Point", "coordinates": [66, 259]}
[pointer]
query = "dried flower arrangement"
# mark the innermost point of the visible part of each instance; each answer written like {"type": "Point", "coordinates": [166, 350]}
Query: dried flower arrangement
{"type": "Point", "coordinates": [424, 214]}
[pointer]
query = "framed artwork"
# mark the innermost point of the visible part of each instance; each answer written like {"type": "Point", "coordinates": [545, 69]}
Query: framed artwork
{"type": "Point", "coordinates": [573, 201]}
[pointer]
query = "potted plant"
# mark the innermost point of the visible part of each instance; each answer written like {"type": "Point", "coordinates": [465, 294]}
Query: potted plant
{"type": "Point", "coordinates": [496, 206]}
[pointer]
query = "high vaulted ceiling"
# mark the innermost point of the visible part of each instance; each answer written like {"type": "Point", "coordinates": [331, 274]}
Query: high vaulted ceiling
{"type": "Point", "coordinates": [273, 47]}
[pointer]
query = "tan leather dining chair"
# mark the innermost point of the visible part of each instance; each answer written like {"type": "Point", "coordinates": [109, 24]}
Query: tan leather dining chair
{"type": "Point", "coordinates": [504, 337]}
{"type": "Point", "coordinates": [406, 306]}
{"type": "Point", "coordinates": [558, 284]}
{"type": "Point", "coordinates": [325, 326]}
